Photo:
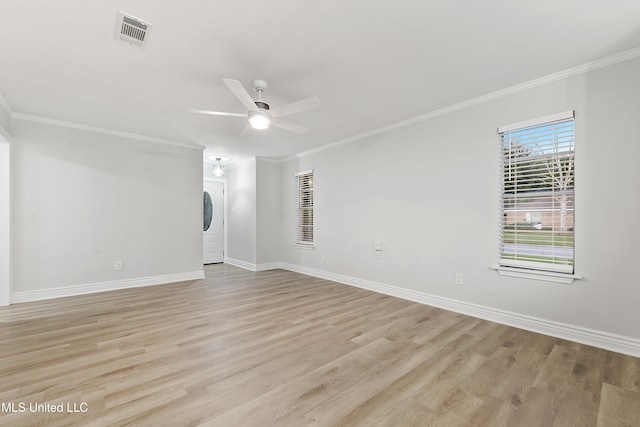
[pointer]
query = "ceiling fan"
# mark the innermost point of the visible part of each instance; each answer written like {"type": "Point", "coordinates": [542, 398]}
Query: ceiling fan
{"type": "Point", "coordinates": [260, 115]}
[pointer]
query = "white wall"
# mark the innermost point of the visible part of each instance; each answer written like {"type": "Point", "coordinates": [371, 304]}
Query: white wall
{"type": "Point", "coordinates": [429, 192]}
{"type": "Point", "coordinates": [5, 202]}
{"type": "Point", "coordinates": [5, 222]}
{"type": "Point", "coordinates": [268, 212]}
{"type": "Point", "coordinates": [241, 213]}
{"type": "Point", "coordinates": [83, 200]}
{"type": "Point", "coordinates": [253, 212]}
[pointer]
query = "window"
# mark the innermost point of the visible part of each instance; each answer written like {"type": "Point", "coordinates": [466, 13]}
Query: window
{"type": "Point", "coordinates": [207, 214]}
{"type": "Point", "coordinates": [537, 194]}
{"type": "Point", "coordinates": [304, 185]}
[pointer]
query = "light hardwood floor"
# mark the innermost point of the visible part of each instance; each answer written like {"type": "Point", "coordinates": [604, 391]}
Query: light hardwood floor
{"type": "Point", "coordinates": [277, 348]}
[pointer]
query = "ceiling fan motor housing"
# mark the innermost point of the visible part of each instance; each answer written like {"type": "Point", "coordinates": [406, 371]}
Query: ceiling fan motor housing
{"type": "Point", "coordinates": [262, 105]}
{"type": "Point", "coordinates": [259, 85]}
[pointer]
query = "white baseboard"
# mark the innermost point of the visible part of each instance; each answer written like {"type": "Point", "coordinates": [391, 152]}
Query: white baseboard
{"type": "Point", "coordinates": [66, 291]}
{"type": "Point", "coordinates": [595, 338]}
{"type": "Point", "coordinates": [253, 267]}
{"type": "Point", "coordinates": [241, 264]}
{"type": "Point", "coordinates": [268, 266]}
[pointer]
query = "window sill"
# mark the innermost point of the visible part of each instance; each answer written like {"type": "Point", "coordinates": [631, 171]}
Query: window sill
{"type": "Point", "coordinates": [307, 246]}
{"type": "Point", "coordinates": [546, 276]}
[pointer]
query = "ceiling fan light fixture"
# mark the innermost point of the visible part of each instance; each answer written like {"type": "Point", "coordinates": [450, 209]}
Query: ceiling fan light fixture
{"type": "Point", "coordinates": [259, 119]}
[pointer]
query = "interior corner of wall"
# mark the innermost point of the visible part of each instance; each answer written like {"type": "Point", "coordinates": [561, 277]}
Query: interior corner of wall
{"type": "Point", "coordinates": [5, 126]}
{"type": "Point", "coordinates": [5, 135]}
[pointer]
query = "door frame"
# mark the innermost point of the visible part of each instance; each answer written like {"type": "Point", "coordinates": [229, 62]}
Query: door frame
{"type": "Point", "coordinates": [224, 211]}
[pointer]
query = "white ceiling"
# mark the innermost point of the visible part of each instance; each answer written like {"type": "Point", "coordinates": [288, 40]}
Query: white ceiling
{"type": "Point", "coordinates": [371, 62]}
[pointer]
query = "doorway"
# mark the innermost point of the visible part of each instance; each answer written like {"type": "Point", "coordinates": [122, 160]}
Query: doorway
{"type": "Point", "coordinates": [213, 222]}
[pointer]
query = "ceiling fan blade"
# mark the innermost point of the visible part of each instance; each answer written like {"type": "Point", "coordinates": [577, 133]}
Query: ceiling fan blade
{"type": "Point", "coordinates": [217, 113]}
{"type": "Point", "coordinates": [240, 92]}
{"type": "Point", "coordinates": [245, 131]}
{"type": "Point", "coordinates": [296, 107]}
{"type": "Point", "coordinates": [291, 127]}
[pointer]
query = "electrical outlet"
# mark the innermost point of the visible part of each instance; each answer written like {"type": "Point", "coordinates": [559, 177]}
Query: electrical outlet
{"type": "Point", "coordinates": [118, 265]}
{"type": "Point", "coordinates": [459, 279]}
{"type": "Point", "coordinates": [323, 259]}
{"type": "Point", "coordinates": [377, 247]}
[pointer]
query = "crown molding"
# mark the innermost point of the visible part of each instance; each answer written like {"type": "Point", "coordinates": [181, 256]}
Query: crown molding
{"type": "Point", "coordinates": [561, 75]}
{"type": "Point", "coordinates": [5, 105]}
{"type": "Point", "coordinates": [235, 163]}
{"type": "Point", "coordinates": [269, 160]}
{"type": "Point", "coordinates": [104, 131]}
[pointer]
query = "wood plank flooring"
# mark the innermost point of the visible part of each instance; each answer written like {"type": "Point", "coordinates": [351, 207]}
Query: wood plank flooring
{"type": "Point", "coordinates": [277, 348]}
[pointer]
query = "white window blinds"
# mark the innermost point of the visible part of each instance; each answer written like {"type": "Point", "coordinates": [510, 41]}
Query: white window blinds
{"type": "Point", "coordinates": [537, 194]}
{"type": "Point", "coordinates": [304, 184]}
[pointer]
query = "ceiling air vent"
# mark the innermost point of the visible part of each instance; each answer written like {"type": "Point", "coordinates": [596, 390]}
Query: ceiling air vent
{"type": "Point", "coordinates": [132, 30]}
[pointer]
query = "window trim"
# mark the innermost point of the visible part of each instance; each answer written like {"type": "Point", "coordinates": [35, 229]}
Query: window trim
{"type": "Point", "coordinates": [546, 276]}
{"type": "Point", "coordinates": [565, 115]}
{"type": "Point", "coordinates": [530, 271]}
